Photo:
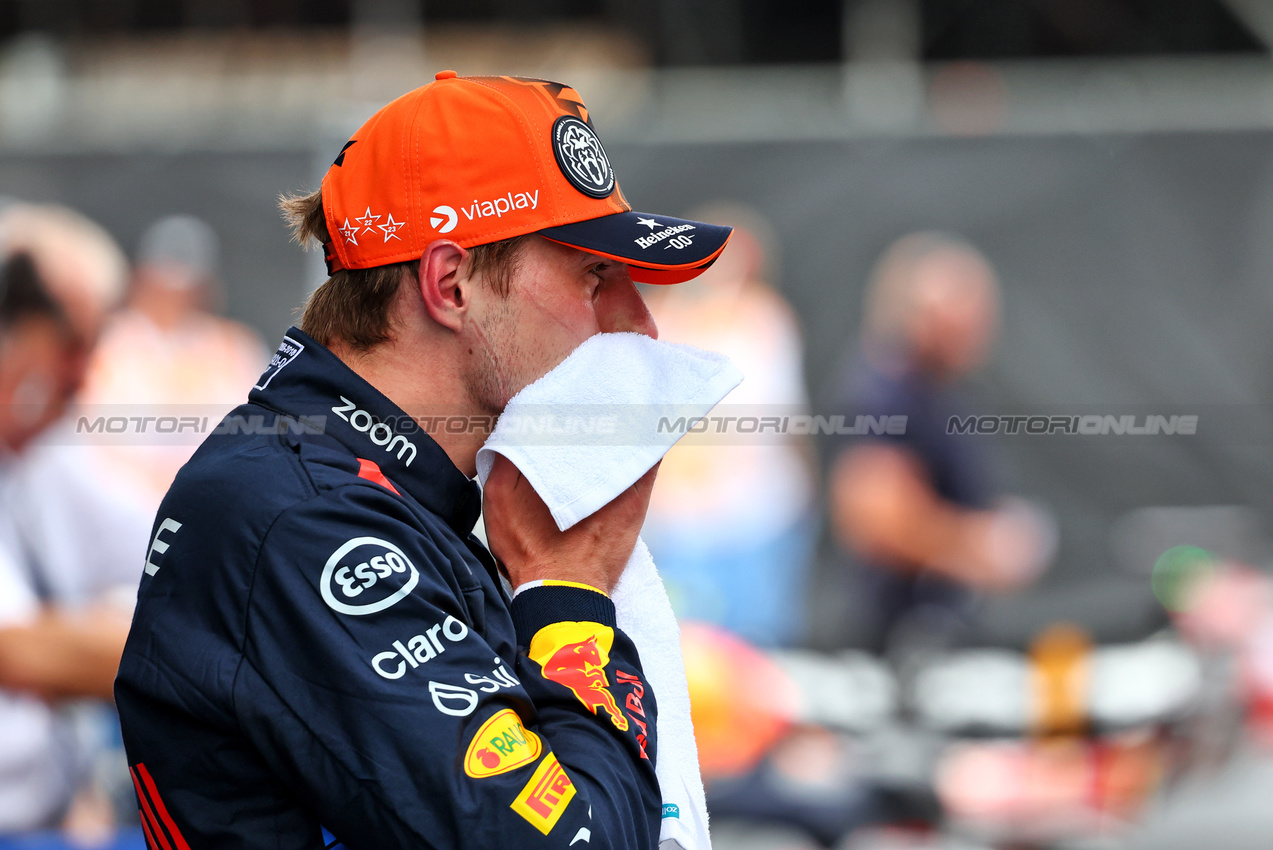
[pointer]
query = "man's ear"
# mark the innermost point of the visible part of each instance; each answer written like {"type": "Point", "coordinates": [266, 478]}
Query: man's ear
{"type": "Point", "coordinates": [444, 284]}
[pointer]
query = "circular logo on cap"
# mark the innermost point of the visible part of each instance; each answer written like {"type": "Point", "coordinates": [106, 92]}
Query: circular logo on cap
{"type": "Point", "coordinates": [581, 157]}
{"type": "Point", "coordinates": [443, 219]}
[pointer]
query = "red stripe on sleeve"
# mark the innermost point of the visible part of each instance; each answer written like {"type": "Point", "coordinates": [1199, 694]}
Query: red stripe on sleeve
{"type": "Point", "coordinates": [177, 838]}
{"type": "Point", "coordinates": [148, 821]}
{"type": "Point", "coordinates": [370, 470]}
{"type": "Point", "coordinates": [150, 837]}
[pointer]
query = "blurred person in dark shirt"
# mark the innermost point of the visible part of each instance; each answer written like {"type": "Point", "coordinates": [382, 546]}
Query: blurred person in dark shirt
{"type": "Point", "coordinates": [70, 547]}
{"type": "Point", "coordinates": [919, 509]}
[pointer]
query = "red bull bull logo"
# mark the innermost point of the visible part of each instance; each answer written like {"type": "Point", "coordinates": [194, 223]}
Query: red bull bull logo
{"type": "Point", "coordinates": [575, 655]}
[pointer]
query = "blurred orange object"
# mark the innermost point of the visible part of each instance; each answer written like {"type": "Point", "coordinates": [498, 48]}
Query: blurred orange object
{"type": "Point", "coordinates": [741, 702]}
{"type": "Point", "coordinates": [1060, 661]}
{"type": "Point", "coordinates": [1127, 771]}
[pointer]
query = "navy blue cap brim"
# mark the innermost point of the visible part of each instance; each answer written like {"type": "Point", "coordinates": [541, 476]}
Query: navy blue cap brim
{"type": "Point", "coordinates": [657, 248]}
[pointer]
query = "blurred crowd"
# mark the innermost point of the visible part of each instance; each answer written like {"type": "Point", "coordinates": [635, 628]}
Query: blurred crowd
{"type": "Point", "coordinates": [918, 727]}
{"type": "Point", "coordinates": [909, 723]}
{"type": "Point", "coordinates": [84, 331]}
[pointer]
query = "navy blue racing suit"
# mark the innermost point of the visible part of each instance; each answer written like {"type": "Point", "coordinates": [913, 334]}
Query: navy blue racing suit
{"type": "Point", "coordinates": [320, 640]}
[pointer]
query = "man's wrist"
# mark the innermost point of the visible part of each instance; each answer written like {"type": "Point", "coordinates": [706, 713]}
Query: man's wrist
{"type": "Point", "coordinates": [548, 582]}
{"type": "Point", "coordinates": [573, 571]}
{"type": "Point", "coordinates": [548, 603]}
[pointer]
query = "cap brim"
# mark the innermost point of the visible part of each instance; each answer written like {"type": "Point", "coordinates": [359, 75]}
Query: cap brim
{"type": "Point", "coordinates": [657, 248]}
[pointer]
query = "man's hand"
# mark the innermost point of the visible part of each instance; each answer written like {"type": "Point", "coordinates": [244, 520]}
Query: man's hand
{"type": "Point", "coordinates": [524, 537]}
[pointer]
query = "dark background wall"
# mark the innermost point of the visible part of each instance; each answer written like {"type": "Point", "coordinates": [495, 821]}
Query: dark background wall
{"type": "Point", "coordinates": [704, 32]}
{"type": "Point", "coordinates": [265, 276]}
{"type": "Point", "coordinates": [1137, 272]}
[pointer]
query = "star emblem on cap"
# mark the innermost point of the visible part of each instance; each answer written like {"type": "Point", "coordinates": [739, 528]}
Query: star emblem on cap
{"type": "Point", "coordinates": [368, 221]}
{"type": "Point", "coordinates": [349, 231]}
{"type": "Point", "coordinates": [648, 222]}
{"type": "Point", "coordinates": [391, 227]}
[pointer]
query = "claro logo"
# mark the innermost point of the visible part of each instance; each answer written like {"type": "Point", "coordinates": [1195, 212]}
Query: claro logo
{"type": "Point", "coordinates": [378, 432]}
{"type": "Point", "coordinates": [421, 649]}
{"type": "Point", "coordinates": [366, 575]}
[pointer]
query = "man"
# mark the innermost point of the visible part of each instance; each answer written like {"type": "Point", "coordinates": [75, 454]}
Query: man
{"type": "Point", "coordinates": [319, 638]}
{"type": "Point", "coordinates": [83, 272]}
{"type": "Point", "coordinates": [917, 504]}
{"type": "Point", "coordinates": [167, 350]}
{"type": "Point", "coordinates": [68, 546]}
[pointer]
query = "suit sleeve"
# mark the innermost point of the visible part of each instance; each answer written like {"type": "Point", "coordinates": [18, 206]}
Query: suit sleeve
{"type": "Point", "coordinates": [368, 684]}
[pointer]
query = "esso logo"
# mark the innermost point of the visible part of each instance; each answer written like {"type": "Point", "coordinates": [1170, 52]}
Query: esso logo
{"type": "Point", "coordinates": [366, 575]}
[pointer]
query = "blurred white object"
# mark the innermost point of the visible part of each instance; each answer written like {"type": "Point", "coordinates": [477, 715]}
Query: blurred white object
{"type": "Point", "coordinates": [986, 689]}
{"type": "Point", "coordinates": [851, 691]}
{"type": "Point", "coordinates": [1156, 680]}
{"type": "Point", "coordinates": [1140, 683]}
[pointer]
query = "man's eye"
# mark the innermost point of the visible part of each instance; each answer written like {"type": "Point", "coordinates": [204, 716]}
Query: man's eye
{"type": "Point", "coordinates": [598, 274]}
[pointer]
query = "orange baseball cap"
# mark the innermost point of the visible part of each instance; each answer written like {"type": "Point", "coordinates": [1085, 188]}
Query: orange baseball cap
{"type": "Point", "coordinates": [481, 159]}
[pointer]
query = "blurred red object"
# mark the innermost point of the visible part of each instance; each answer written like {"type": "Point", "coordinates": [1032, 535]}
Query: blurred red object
{"type": "Point", "coordinates": [1055, 786]}
{"type": "Point", "coordinates": [741, 702]}
{"type": "Point", "coordinates": [1225, 606]}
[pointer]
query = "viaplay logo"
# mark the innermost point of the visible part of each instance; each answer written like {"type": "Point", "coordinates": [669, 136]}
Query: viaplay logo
{"type": "Point", "coordinates": [366, 575]}
{"type": "Point", "coordinates": [443, 219]}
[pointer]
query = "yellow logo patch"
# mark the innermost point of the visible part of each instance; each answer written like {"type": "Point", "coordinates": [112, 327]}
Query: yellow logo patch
{"type": "Point", "coordinates": [545, 796]}
{"type": "Point", "coordinates": [501, 745]}
{"type": "Point", "coordinates": [576, 655]}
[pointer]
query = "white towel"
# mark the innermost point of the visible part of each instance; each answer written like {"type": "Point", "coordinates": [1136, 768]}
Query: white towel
{"type": "Point", "coordinates": [583, 434]}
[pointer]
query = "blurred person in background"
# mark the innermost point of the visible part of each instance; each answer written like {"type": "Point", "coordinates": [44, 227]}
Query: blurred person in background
{"type": "Point", "coordinates": [86, 531]}
{"type": "Point", "coordinates": [919, 509]}
{"type": "Point", "coordinates": [33, 336]}
{"type": "Point", "coordinates": [732, 522]}
{"type": "Point", "coordinates": [69, 551]}
{"type": "Point", "coordinates": [167, 352]}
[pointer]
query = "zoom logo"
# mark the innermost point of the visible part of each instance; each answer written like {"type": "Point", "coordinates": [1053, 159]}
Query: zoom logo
{"type": "Point", "coordinates": [443, 214]}
{"type": "Point", "coordinates": [366, 575]}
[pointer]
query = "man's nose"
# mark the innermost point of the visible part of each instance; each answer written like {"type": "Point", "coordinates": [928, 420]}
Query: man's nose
{"type": "Point", "coordinates": [623, 309]}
